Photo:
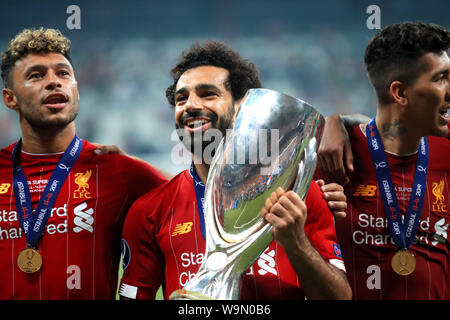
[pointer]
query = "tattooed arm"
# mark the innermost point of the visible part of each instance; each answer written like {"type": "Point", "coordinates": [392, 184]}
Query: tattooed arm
{"type": "Point", "coordinates": [335, 157]}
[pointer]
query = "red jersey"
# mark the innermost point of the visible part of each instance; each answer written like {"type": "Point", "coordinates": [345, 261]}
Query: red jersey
{"type": "Point", "coordinates": [367, 246]}
{"type": "Point", "coordinates": [163, 244]}
{"type": "Point", "coordinates": [80, 246]}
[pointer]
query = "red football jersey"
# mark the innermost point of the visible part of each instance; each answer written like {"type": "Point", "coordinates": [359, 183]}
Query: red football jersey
{"type": "Point", "coordinates": [367, 246]}
{"type": "Point", "coordinates": [80, 246]}
{"type": "Point", "coordinates": [163, 244]}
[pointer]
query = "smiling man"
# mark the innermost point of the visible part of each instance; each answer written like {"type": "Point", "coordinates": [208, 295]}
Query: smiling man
{"type": "Point", "coordinates": [396, 240]}
{"type": "Point", "coordinates": [193, 122]}
{"type": "Point", "coordinates": [63, 207]}
{"type": "Point", "coordinates": [164, 236]}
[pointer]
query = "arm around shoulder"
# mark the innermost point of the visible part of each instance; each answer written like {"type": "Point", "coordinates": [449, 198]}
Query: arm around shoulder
{"type": "Point", "coordinates": [335, 157]}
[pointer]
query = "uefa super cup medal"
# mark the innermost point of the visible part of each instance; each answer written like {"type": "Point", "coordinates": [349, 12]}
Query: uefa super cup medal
{"type": "Point", "coordinates": [403, 262]}
{"type": "Point", "coordinates": [29, 260]}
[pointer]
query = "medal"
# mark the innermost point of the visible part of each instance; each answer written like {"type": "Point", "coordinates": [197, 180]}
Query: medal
{"type": "Point", "coordinates": [29, 260]}
{"type": "Point", "coordinates": [403, 262]}
{"type": "Point", "coordinates": [403, 231]}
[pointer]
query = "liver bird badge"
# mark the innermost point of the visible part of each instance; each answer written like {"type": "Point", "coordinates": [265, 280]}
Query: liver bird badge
{"type": "Point", "coordinates": [81, 179]}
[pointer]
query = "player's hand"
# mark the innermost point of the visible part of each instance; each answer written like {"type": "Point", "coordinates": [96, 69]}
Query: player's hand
{"type": "Point", "coordinates": [334, 194]}
{"type": "Point", "coordinates": [335, 151]}
{"type": "Point", "coordinates": [286, 212]}
{"type": "Point", "coordinates": [107, 149]}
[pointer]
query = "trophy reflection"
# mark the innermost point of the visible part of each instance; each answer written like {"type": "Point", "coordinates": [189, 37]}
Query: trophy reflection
{"type": "Point", "coordinates": [272, 144]}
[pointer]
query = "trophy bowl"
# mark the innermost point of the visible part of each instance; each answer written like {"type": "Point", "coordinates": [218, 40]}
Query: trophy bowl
{"type": "Point", "coordinates": [272, 144]}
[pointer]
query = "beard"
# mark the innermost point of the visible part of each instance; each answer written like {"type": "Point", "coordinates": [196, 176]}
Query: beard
{"type": "Point", "coordinates": [200, 141]}
{"type": "Point", "coordinates": [40, 121]}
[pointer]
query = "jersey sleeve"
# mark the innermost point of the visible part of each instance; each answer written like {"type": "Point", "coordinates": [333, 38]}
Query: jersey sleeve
{"type": "Point", "coordinates": [320, 227]}
{"type": "Point", "coordinates": [141, 258]}
{"type": "Point", "coordinates": [140, 176]}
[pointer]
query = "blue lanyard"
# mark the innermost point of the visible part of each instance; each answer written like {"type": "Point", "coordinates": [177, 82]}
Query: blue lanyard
{"type": "Point", "coordinates": [34, 224]}
{"type": "Point", "coordinates": [402, 231]}
{"type": "Point", "coordinates": [199, 188]}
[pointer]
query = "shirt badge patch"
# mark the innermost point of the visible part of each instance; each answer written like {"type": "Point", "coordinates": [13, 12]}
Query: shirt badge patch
{"type": "Point", "coordinates": [126, 253]}
{"type": "Point", "coordinates": [337, 250]}
{"type": "Point", "coordinates": [439, 198]}
{"type": "Point", "coordinates": [81, 179]}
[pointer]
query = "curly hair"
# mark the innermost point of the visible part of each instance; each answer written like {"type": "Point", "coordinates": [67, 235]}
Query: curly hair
{"type": "Point", "coordinates": [395, 52]}
{"type": "Point", "coordinates": [38, 41]}
{"type": "Point", "coordinates": [243, 74]}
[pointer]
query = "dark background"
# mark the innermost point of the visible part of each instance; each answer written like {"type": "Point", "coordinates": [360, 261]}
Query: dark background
{"type": "Point", "coordinates": [124, 50]}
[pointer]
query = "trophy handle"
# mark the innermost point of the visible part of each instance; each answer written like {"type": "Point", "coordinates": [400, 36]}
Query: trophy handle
{"type": "Point", "coordinates": [306, 169]}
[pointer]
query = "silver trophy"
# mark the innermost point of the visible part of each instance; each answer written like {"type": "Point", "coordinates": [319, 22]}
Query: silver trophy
{"type": "Point", "coordinates": [272, 144]}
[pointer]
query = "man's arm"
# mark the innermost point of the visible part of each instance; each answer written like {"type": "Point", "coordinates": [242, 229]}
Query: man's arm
{"type": "Point", "coordinates": [335, 155]}
{"type": "Point", "coordinates": [105, 149]}
{"type": "Point", "coordinates": [143, 264]}
{"type": "Point", "coordinates": [320, 280]}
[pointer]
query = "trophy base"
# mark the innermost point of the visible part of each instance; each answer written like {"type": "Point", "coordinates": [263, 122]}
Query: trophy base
{"type": "Point", "coordinates": [182, 294]}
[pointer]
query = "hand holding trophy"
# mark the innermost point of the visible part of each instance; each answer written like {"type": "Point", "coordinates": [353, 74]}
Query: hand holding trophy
{"type": "Point", "coordinates": [272, 145]}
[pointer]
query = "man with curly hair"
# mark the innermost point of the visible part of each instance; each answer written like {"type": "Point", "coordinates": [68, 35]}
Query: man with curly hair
{"type": "Point", "coordinates": [395, 241]}
{"type": "Point", "coordinates": [164, 235]}
{"type": "Point", "coordinates": [61, 207]}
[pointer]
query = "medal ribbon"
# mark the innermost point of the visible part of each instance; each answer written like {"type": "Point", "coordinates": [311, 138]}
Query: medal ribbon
{"type": "Point", "coordinates": [34, 224]}
{"type": "Point", "coordinates": [404, 230]}
{"type": "Point", "coordinates": [199, 188]}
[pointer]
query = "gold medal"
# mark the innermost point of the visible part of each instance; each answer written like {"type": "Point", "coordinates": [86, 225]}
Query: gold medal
{"type": "Point", "coordinates": [403, 262]}
{"type": "Point", "coordinates": [29, 260]}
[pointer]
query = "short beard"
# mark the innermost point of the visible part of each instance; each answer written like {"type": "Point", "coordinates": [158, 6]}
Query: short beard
{"type": "Point", "coordinates": [40, 123]}
{"type": "Point", "coordinates": [48, 124]}
{"type": "Point", "coordinates": [192, 140]}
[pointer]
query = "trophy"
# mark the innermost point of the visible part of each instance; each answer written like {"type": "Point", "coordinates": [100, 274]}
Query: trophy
{"type": "Point", "coordinates": [272, 144]}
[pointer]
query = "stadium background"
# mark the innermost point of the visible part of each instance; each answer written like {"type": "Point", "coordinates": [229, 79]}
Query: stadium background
{"type": "Point", "coordinates": [124, 50]}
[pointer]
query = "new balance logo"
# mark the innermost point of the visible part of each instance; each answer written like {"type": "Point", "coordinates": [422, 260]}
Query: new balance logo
{"type": "Point", "coordinates": [182, 228]}
{"type": "Point", "coordinates": [4, 187]}
{"type": "Point", "coordinates": [83, 218]}
{"type": "Point", "coordinates": [364, 190]}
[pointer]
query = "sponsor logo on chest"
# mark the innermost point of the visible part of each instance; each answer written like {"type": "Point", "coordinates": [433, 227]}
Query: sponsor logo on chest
{"type": "Point", "coordinates": [58, 223]}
